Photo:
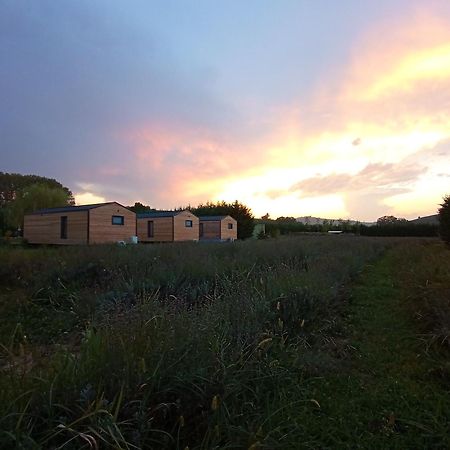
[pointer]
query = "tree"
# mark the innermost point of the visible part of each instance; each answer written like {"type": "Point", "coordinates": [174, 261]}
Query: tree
{"type": "Point", "coordinates": [286, 219]}
{"type": "Point", "coordinates": [238, 211]}
{"type": "Point", "coordinates": [390, 220]}
{"type": "Point", "coordinates": [140, 208]}
{"type": "Point", "coordinates": [444, 220]}
{"type": "Point", "coordinates": [34, 197]}
{"type": "Point", "coordinates": [12, 183]}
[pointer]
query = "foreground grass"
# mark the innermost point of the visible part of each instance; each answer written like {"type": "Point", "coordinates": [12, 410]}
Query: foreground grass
{"type": "Point", "coordinates": [253, 345]}
{"type": "Point", "coordinates": [394, 394]}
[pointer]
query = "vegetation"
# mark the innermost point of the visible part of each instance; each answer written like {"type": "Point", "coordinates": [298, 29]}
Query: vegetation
{"type": "Point", "coordinates": [289, 225]}
{"type": "Point", "coordinates": [400, 229]}
{"type": "Point", "coordinates": [395, 392]}
{"type": "Point", "coordinates": [140, 208]}
{"type": "Point", "coordinates": [390, 220]}
{"type": "Point", "coordinates": [240, 212]}
{"type": "Point", "coordinates": [249, 345]}
{"type": "Point", "coordinates": [386, 226]}
{"type": "Point", "coordinates": [20, 194]}
{"type": "Point", "coordinates": [444, 220]}
{"type": "Point", "coordinates": [35, 197]}
{"type": "Point", "coordinates": [12, 183]}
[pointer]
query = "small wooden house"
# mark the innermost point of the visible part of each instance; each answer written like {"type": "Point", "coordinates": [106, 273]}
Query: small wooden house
{"type": "Point", "coordinates": [76, 225]}
{"type": "Point", "coordinates": [218, 228]}
{"type": "Point", "coordinates": [167, 226]}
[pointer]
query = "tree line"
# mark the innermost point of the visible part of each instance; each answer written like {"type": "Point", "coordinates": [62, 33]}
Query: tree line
{"type": "Point", "coordinates": [385, 226]}
{"type": "Point", "coordinates": [21, 194]}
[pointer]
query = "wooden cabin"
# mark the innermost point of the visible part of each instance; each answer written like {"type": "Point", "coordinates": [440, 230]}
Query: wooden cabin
{"type": "Point", "coordinates": [77, 225]}
{"type": "Point", "coordinates": [167, 226]}
{"type": "Point", "coordinates": [217, 228]}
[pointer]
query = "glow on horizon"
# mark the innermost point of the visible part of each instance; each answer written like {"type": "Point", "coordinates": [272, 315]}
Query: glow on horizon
{"type": "Point", "coordinates": [88, 198]}
{"type": "Point", "coordinates": [369, 135]}
{"type": "Point", "coordinates": [349, 144]}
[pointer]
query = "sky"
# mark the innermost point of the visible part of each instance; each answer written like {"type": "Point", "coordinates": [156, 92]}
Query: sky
{"type": "Point", "coordinates": [337, 109]}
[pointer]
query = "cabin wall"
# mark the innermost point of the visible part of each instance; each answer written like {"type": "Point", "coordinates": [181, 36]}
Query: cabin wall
{"type": "Point", "coordinates": [101, 229]}
{"type": "Point", "coordinates": [183, 233]}
{"type": "Point", "coordinates": [162, 229]}
{"type": "Point", "coordinates": [46, 228]}
{"type": "Point", "coordinates": [211, 229]}
{"type": "Point", "coordinates": [225, 233]}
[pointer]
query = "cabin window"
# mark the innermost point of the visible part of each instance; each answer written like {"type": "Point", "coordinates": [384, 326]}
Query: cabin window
{"type": "Point", "coordinates": [230, 226]}
{"type": "Point", "coordinates": [201, 229]}
{"type": "Point", "coordinates": [118, 220]}
{"type": "Point", "coordinates": [188, 223]}
{"type": "Point", "coordinates": [150, 228]}
{"type": "Point", "coordinates": [63, 227]}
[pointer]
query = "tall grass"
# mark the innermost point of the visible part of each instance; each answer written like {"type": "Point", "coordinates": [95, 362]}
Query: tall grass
{"type": "Point", "coordinates": [168, 346]}
{"type": "Point", "coordinates": [427, 274]}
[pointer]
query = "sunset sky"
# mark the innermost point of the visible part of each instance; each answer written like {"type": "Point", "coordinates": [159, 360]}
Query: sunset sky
{"type": "Point", "coordinates": [336, 109]}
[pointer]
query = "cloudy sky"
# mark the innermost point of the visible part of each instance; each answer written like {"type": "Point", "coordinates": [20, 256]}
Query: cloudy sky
{"type": "Point", "coordinates": [326, 108]}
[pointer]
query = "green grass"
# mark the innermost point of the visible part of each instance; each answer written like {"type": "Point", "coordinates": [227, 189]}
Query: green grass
{"type": "Point", "coordinates": [306, 342]}
{"type": "Point", "coordinates": [388, 397]}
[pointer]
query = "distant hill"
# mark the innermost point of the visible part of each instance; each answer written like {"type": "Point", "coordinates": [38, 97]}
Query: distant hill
{"type": "Point", "coordinates": [309, 220]}
{"type": "Point", "coordinates": [431, 220]}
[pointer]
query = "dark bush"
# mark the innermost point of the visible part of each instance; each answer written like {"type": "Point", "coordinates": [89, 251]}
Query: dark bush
{"type": "Point", "coordinates": [444, 220]}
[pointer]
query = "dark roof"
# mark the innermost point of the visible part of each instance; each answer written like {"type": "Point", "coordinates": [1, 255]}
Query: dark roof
{"type": "Point", "coordinates": [212, 218]}
{"type": "Point", "coordinates": [156, 214]}
{"type": "Point", "coordinates": [71, 208]}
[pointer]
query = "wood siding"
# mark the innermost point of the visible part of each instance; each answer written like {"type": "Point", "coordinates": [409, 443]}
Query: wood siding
{"type": "Point", "coordinates": [211, 229]}
{"type": "Point", "coordinates": [46, 228]}
{"type": "Point", "coordinates": [101, 229]}
{"type": "Point", "coordinates": [183, 233]}
{"type": "Point", "coordinates": [225, 233]}
{"type": "Point", "coordinates": [162, 229]}
{"type": "Point", "coordinates": [168, 229]}
{"type": "Point", "coordinates": [218, 229]}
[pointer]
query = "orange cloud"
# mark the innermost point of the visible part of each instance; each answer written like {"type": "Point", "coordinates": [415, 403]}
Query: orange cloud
{"type": "Point", "coordinates": [189, 164]}
{"type": "Point", "coordinates": [397, 55]}
{"type": "Point", "coordinates": [389, 109]}
{"type": "Point", "coordinates": [393, 101]}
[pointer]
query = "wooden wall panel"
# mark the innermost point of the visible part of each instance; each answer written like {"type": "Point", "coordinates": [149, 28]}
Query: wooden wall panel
{"type": "Point", "coordinates": [101, 229]}
{"type": "Point", "coordinates": [46, 228]}
{"type": "Point", "coordinates": [218, 229]}
{"type": "Point", "coordinates": [211, 229]}
{"type": "Point", "coordinates": [162, 229]}
{"type": "Point", "coordinates": [226, 233]}
{"type": "Point", "coordinates": [183, 233]}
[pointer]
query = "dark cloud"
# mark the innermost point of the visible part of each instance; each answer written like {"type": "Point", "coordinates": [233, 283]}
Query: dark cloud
{"type": "Point", "coordinates": [76, 76]}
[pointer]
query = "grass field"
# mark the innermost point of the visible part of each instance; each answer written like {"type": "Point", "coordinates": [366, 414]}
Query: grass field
{"type": "Point", "coordinates": [306, 342]}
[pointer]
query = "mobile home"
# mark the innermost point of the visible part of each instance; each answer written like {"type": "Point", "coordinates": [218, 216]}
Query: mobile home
{"type": "Point", "coordinates": [167, 226]}
{"type": "Point", "coordinates": [77, 225]}
{"type": "Point", "coordinates": [218, 228]}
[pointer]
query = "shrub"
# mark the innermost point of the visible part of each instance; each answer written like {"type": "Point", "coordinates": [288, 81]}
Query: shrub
{"type": "Point", "coordinates": [444, 220]}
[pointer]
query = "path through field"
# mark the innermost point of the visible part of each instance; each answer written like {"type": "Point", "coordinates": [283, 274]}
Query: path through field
{"type": "Point", "coordinates": [391, 396]}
